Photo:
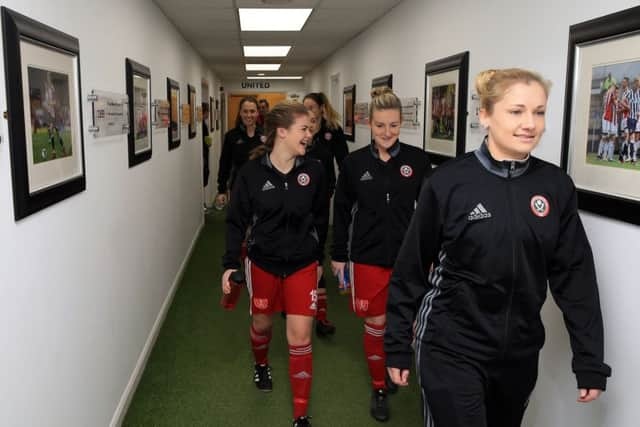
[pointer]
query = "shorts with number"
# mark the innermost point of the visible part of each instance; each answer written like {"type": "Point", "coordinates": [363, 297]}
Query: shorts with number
{"type": "Point", "coordinates": [294, 294]}
{"type": "Point", "coordinates": [370, 288]}
{"type": "Point", "coordinates": [609, 128]}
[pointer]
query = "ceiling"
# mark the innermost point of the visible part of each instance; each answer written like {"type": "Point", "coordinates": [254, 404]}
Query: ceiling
{"type": "Point", "coordinates": [212, 27]}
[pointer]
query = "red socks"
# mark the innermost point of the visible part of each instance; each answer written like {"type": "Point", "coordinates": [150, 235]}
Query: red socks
{"type": "Point", "coordinates": [374, 350]}
{"type": "Point", "coordinates": [260, 345]}
{"type": "Point", "coordinates": [300, 374]}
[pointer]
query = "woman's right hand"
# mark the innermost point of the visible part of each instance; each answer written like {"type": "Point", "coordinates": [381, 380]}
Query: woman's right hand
{"type": "Point", "coordinates": [399, 376]}
{"type": "Point", "coordinates": [221, 199]}
{"type": "Point", "coordinates": [337, 268]}
{"type": "Point", "coordinates": [226, 286]}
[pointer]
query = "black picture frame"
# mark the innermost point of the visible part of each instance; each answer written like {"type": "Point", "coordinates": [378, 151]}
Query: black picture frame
{"type": "Point", "coordinates": [139, 149]}
{"type": "Point", "coordinates": [217, 114]}
{"type": "Point", "coordinates": [193, 120]}
{"type": "Point", "coordinates": [348, 104]}
{"type": "Point", "coordinates": [211, 114]}
{"type": "Point", "coordinates": [174, 133]}
{"type": "Point", "coordinates": [618, 33]}
{"type": "Point", "coordinates": [34, 190]}
{"type": "Point", "coordinates": [383, 81]}
{"type": "Point", "coordinates": [454, 71]}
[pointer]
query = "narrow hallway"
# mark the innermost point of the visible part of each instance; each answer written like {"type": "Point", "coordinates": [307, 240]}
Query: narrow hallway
{"type": "Point", "coordinates": [200, 372]}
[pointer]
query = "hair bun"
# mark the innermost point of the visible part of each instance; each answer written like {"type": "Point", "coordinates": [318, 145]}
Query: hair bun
{"type": "Point", "coordinates": [379, 91]}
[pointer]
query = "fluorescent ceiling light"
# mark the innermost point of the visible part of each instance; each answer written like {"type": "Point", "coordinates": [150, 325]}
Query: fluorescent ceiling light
{"type": "Point", "coordinates": [262, 67]}
{"type": "Point", "coordinates": [273, 19]}
{"type": "Point", "coordinates": [274, 77]}
{"type": "Point", "coordinates": [261, 74]}
{"type": "Point", "coordinates": [272, 51]}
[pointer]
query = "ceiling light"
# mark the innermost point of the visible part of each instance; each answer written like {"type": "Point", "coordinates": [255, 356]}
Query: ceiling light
{"type": "Point", "coordinates": [261, 74]}
{"type": "Point", "coordinates": [266, 50]}
{"type": "Point", "coordinates": [273, 19]}
{"type": "Point", "coordinates": [274, 77]}
{"type": "Point", "coordinates": [262, 67]}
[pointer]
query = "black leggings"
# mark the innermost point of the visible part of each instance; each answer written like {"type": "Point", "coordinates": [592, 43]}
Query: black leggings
{"type": "Point", "coordinates": [461, 392]}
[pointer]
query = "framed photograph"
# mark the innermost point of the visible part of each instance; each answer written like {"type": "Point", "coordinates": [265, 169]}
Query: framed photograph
{"type": "Point", "coordinates": [601, 134]}
{"type": "Point", "coordinates": [348, 104]}
{"type": "Point", "coordinates": [217, 114]}
{"type": "Point", "coordinates": [42, 76]}
{"type": "Point", "coordinates": [173, 95]}
{"type": "Point", "coordinates": [139, 92]}
{"type": "Point", "coordinates": [211, 123]}
{"type": "Point", "coordinates": [445, 112]}
{"type": "Point", "coordinates": [192, 111]}
{"type": "Point", "coordinates": [383, 81]}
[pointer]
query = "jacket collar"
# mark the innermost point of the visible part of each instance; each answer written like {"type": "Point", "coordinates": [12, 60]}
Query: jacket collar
{"type": "Point", "coordinates": [502, 168]}
{"type": "Point", "coordinates": [266, 160]}
{"type": "Point", "coordinates": [393, 151]}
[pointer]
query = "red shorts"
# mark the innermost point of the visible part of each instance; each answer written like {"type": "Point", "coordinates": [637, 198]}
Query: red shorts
{"type": "Point", "coordinates": [294, 294]}
{"type": "Point", "coordinates": [370, 288]}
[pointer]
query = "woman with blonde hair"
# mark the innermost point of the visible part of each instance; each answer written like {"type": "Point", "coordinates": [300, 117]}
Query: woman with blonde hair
{"type": "Point", "coordinates": [282, 195]}
{"type": "Point", "coordinates": [491, 229]}
{"type": "Point", "coordinates": [375, 198]}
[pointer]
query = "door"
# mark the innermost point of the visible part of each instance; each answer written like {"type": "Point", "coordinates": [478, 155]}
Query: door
{"type": "Point", "coordinates": [234, 103]}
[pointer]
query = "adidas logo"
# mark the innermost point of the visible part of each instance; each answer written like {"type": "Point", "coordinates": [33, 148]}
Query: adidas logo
{"type": "Point", "coordinates": [268, 186]}
{"type": "Point", "coordinates": [303, 375]}
{"type": "Point", "coordinates": [366, 176]}
{"type": "Point", "coordinates": [479, 212]}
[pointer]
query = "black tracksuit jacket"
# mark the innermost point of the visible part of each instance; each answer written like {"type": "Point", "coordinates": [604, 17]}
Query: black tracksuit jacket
{"type": "Point", "coordinates": [494, 243]}
{"type": "Point", "coordinates": [320, 151]}
{"type": "Point", "coordinates": [374, 202]}
{"type": "Point", "coordinates": [335, 142]}
{"type": "Point", "coordinates": [235, 152]}
{"type": "Point", "coordinates": [288, 215]}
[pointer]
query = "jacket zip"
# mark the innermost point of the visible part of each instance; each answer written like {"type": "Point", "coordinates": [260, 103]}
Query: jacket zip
{"type": "Point", "coordinates": [513, 261]}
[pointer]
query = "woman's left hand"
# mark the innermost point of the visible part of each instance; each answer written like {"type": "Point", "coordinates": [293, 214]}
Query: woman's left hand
{"type": "Point", "coordinates": [319, 271]}
{"type": "Point", "coordinates": [588, 395]}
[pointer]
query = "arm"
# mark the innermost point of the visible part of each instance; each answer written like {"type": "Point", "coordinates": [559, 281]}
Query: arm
{"type": "Point", "coordinates": [339, 147]}
{"type": "Point", "coordinates": [237, 221]}
{"type": "Point", "coordinates": [409, 281]}
{"type": "Point", "coordinates": [572, 281]}
{"type": "Point", "coordinates": [343, 202]}
{"type": "Point", "coordinates": [321, 213]}
{"type": "Point", "coordinates": [226, 163]}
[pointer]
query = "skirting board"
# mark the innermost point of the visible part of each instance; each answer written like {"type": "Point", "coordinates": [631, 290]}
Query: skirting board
{"type": "Point", "coordinates": [130, 389]}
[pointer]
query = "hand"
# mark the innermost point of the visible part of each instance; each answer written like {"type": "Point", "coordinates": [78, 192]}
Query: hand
{"type": "Point", "coordinates": [588, 395]}
{"type": "Point", "coordinates": [226, 286]}
{"type": "Point", "coordinates": [337, 268]}
{"type": "Point", "coordinates": [399, 376]}
{"type": "Point", "coordinates": [319, 273]}
{"type": "Point", "coordinates": [221, 199]}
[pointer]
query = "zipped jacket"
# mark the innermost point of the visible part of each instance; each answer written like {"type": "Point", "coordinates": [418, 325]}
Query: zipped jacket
{"type": "Point", "coordinates": [335, 141]}
{"type": "Point", "coordinates": [374, 202]}
{"type": "Point", "coordinates": [236, 148]}
{"type": "Point", "coordinates": [318, 150]}
{"type": "Point", "coordinates": [486, 238]}
{"type": "Point", "coordinates": [288, 215]}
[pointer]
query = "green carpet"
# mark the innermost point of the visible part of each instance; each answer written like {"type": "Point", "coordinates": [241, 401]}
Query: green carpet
{"type": "Point", "coordinates": [200, 372]}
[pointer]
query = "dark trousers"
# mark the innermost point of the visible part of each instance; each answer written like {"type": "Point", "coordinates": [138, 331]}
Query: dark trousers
{"type": "Point", "coordinates": [460, 392]}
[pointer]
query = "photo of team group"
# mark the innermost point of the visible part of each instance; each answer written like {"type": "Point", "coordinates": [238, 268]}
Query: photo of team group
{"type": "Point", "coordinates": [443, 111]}
{"type": "Point", "coordinates": [141, 113]}
{"type": "Point", "coordinates": [50, 119]}
{"type": "Point", "coordinates": [614, 116]}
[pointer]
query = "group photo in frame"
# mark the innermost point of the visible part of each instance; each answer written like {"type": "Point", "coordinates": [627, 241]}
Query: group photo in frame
{"type": "Point", "coordinates": [138, 80]}
{"type": "Point", "coordinates": [601, 134]}
{"type": "Point", "coordinates": [42, 77]}
{"type": "Point", "coordinates": [348, 104]}
{"type": "Point", "coordinates": [192, 111]}
{"type": "Point", "coordinates": [445, 112]}
{"type": "Point", "coordinates": [173, 95]}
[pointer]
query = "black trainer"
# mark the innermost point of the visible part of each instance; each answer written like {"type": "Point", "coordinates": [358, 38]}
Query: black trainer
{"type": "Point", "coordinates": [392, 388]}
{"type": "Point", "coordinates": [262, 377]}
{"type": "Point", "coordinates": [324, 328]}
{"type": "Point", "coordinates": [379, 407]}
{"type": "Point", "coordinates": [302, 422]}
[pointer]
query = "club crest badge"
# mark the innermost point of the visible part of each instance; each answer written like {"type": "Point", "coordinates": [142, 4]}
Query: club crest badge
{"type": "Point", "coordinates": [406, 171]}
{"type": "Point", "coordinates": [328, 136]}
{"type": "Point", "coordinates": [303, 179]}
{"type": "Point", "coordinates": [263, 139]}
{"type": "Point", "coordinates": [539, 206]}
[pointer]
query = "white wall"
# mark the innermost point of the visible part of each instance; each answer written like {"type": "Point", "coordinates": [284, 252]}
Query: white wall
{"type": "Point", "coordinates": [502, 33]}
{"type": "Point", "coordinates": [83, 282]}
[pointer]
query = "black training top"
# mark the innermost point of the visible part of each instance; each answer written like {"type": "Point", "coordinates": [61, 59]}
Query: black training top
{"type": "Point", "coordinates": [235, 152]}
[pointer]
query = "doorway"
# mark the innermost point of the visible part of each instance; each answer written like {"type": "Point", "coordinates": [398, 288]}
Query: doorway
{"type": "Point", "coordinates": [234, 103]}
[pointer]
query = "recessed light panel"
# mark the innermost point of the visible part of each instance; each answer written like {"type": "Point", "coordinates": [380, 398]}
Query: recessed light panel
{"type": "Point", "coordinates": [262, 67]}
{"type": "Point", "coordinates": [273, 19]}
{"type": "Point", "coordinates": [270, 51]}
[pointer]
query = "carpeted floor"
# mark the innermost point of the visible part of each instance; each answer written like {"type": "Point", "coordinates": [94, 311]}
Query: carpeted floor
{"type": "Point", "coordinates": [200, 372]}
